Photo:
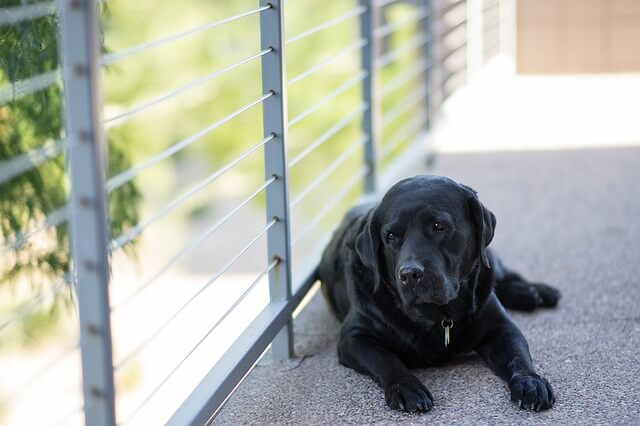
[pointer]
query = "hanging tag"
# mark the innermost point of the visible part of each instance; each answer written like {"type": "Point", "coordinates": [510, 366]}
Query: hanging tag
{"type": "Point", "coordinates": [447, 325]}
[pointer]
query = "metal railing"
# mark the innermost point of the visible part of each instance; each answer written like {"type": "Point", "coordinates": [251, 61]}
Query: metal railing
{"type": "Point", "coordinates": [442, 42]}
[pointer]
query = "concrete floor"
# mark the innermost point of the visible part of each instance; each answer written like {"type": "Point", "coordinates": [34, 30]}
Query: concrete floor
{"type": "Point", "coordinates": [570, 218]}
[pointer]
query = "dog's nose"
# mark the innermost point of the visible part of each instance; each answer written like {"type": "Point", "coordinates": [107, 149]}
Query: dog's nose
{"type": "Point", "coordinates": [410, 274]}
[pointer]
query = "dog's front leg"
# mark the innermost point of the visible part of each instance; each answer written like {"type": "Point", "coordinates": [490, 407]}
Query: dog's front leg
{"type": "Point", "coordinates": [507, 353]}
{"type": "Point", "coordinates": [403, 390]}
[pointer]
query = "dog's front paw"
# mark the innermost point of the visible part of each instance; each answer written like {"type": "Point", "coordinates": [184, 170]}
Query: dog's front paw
{"type": "Point", "coordinates": [408, 395]}
{"type": "Point", "coordinates": [531, 392]}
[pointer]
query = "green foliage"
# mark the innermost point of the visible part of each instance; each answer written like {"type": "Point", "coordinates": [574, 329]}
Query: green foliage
{"type": "Point", "coordinates": [28, 49]}
{"type": "Point", "coordinates": [26, 124]}
{"type": "Point", "coordinates": [38, 326]}
{"type": "Point", "coordinates": [145, 75]}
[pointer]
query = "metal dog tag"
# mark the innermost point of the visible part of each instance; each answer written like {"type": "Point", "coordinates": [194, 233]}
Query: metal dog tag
{"type": "Point", "coordinates": [447, 325]}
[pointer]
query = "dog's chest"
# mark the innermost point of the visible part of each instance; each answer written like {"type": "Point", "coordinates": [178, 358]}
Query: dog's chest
{"type": "Point", "coordinates": [426, 346]}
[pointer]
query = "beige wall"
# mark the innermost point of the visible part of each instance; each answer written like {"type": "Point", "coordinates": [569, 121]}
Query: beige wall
{"type": "Point", "coordinates": [583, 36]}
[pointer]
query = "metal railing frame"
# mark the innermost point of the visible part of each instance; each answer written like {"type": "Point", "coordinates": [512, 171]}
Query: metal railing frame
{"type": "Point", "coordinates": [83, 128]}
{"type": "Point", "coordinates": [84, 146]}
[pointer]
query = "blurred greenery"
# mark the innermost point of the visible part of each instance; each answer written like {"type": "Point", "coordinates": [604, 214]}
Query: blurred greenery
{"type": "Point", "coordinates": [27, 49]}
{"type": "Point", "coordinates": [129, 378]}
{"type": "Point", "coordinates": [39, 326]}
{"type": "Point", "coordinates": [142, 76]}
{"type": "Point", "coordinates": [28, 123]}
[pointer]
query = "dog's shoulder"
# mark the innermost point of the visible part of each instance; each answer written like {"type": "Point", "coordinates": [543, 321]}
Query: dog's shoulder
{"type": "Point", "coordinates": [342, 242]}
{"type": "Point", "coordinates": [360, 211]}
{"type": "Point", "coordinates": [340, 260]}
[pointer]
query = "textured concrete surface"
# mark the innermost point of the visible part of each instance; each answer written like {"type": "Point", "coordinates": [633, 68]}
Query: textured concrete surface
{"type": "Point", "coordinates": [570, 218]}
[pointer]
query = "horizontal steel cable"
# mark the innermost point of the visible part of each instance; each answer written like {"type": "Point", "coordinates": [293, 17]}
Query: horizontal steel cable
{"type": "Point", "coordinates": [180, 200]}
{"type": "Point", "coordinates": [115, 184]}
{"type": "Point", "coordinates": [454, 27]}
{"type": "Point", "coordinates": [489, 26]}
{"type": "Point", "coordinates": [334, 94]}
{"type": "Point", "coordinates": [134, 171]}
{"type": "Point", "coordinates": [331, 168]}
{"type": "Point", "coordinates": [129, 235]}
{"type": "Point", "coordinates": [52, 220]}
{"type": "Point", "coordinates": [382, 3]}
{"type": "Point", "coordinates": [27, 12]}
{"type": "Point", "coordinates": [193, 244]}
{"type": "Point", "coordinates": [452, 81]}
{"type": "Point", "coordinates": [23, 163]}
{"type": "Point", "coordinates": [272, 265]}
{"type": "Point", "coordinates": [109, 122]}
{"type": "Point", "coordinates": [404, 77]}
{"type": "Point", "coordinates": [34, 303]}
{"type": "Point", "coordinates": [18, 89]}
{"type": "Point", "coordinates": [346, 188]}
{"type": "Point", "coordinates": [453, 51]}
{"type": "Point", "coordinates": [392, 27]}
{"type": "Point", "coordinates": [449, 7]}
{"type": "Point", "coordinates": [490, 5]}
{"type": "Point", "coordinates": [489, 46]}
{"type": "Point", "coordinates": [408, 130]}
{"type": "Point", "coordinates": [352, 47]}
{"type": "Point", "coordinates": [403, 107]}
{"type": "Point", "coordinates": [131, 355]}
{"type": "Point", "coordinates": [331, 132]}
{"type": "Point", "coordinates": [415, 42]}
{"type": "Point", "coordinates": [116, 56]}
{"type": "Point", "coordinates": [357, 11]}
{"type": "Point", "coordinates": [451, 73]}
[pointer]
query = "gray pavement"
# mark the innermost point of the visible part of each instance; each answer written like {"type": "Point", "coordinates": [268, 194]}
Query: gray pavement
{"type": "Point", "coordinates": [570, 218]}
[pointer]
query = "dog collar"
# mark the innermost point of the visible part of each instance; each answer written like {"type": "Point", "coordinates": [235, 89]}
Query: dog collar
{"type": "Point", "coordinates": [447, 324]}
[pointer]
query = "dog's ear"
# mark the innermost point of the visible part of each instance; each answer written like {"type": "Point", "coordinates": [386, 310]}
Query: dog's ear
{"type": "Point", "coordinates": [484, 223]}
{"type": "Point", "coordinates": [369, 248]}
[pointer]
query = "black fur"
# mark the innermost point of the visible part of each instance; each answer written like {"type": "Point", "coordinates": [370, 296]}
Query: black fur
{"type": "Point", "coordinates": [392, 292]}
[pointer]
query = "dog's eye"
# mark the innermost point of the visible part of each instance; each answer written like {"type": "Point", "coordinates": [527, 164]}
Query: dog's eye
{"type": "Point", "coordinates": [439, 227]}
{"type": "Point", "coordinates": [391, 236]}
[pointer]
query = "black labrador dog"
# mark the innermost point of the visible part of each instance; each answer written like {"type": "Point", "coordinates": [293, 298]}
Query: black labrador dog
{"type": "Point", "coordinates": [413, 283]}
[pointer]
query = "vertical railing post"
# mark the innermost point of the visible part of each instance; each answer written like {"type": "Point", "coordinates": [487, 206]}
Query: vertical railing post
{"type": "Point", "coordinates": [274, 113]}
{"type": "Point", "coordinates": [371, 115]}
{"type": "Point", "coordinates": [80, 49]}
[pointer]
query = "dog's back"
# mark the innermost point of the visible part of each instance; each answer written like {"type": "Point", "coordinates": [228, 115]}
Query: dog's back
{"type": "Point", "coordinates": [334, 259]}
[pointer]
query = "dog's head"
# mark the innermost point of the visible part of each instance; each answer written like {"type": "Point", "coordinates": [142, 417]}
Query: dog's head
{"type": "Point", "coordinates": [424, 239]}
